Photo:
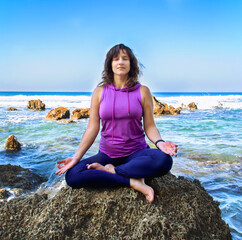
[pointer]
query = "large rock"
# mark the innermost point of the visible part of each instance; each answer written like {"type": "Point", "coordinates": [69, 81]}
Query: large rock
{"type": "Point", "coordinates": [58, 113]}
{"type": "Point", "coordinates": [164, 109]}
{"type": "Point", "coordinates": [17, 177]}
{"type": "Point", "coordinates": [181, 210]}
{"type": "Point", "coordinates": [80, 113]}
{"type": "Point", "coordinates": [36, 105]}
{"type": "Point", "coordinates": [12, 144]}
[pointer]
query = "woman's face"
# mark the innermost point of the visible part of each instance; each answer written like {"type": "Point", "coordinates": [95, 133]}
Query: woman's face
{"type": "Point", "coordinates": [121, 64]}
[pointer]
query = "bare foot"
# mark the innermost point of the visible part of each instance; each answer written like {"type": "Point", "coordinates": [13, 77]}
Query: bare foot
{"type": "Point", "coordinates": [139, 185]}
{"type": "Point", "coordinates": [110, 168]}
{"type": "Point", "coordinates": [98, 166]}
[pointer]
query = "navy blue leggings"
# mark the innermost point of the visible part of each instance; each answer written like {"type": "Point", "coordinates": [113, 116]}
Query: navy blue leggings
{"type": "Point", "coordinates": [141, 164]}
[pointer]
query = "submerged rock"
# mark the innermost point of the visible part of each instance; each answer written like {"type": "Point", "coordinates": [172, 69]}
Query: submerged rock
{"type": "Point", "coordinates": [80, 113]}
{"type": "Point", "coordinates": [12, 144]}
{"type": "Point", "coordinates": [58, 113]}
{"type": "Point", "coordinates": [17, 177]}
{"type": "Point", "coordinates": [12, 109]}
{"type": "Point", "coordinates": [181, 210]}
{"type": "Point", "coordinates": [164, 109]}
{"type": "Point", "coordinates": [65, 121]}
{"type": "Point", "coordinates": [36, 105]}
{"type": "Point", "coordinates": [3, 130]}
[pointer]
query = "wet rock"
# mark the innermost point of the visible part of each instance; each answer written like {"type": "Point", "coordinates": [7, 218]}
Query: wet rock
{"type": "Point", "coordinates": [58, 113]}
{"type": "Point", "coordinates": [17, 177]}
{"type": "Point", "coordinates": [164, 109]}
{"type": "Point", "coordinates": [66, 121]}
{"type": "Point", "coordinates": [12, 109]}
{"type": "Point", "coordinates": [192, 106]}
{"type": "Point", "coordinates": [219, 106]}
{"type": "Point", "coordinates": [12, 144]}
{"type": "Point", "coordinates": [36, 105]}
{"type": "Point", "coordinates": [80, 113]}
{"type": "Point", "coordinates": [17, 191]}
{"type": "Point", "coordinates": [184, 106]}
{"type": "Point", "coordinates": [181, 210]}
{"type": "Point", "coordinates": [4, 193]}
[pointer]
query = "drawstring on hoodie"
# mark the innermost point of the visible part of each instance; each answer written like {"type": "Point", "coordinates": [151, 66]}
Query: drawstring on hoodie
{"type": "Point", "coordinates": [128, 101]}
{"type": "Point", "coordinates": [113, 113]}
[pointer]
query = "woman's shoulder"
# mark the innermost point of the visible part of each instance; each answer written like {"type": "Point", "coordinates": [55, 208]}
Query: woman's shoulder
{"type": "Point", "coordinates": [98, 89]}
{"type": "Point", "coordinates": [97, 93]}
{"type": "Point", "coordinates": [144, 90]}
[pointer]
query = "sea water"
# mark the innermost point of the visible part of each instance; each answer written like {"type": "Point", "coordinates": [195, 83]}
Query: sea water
{"type": "Point", "coordinates": [209, 140]}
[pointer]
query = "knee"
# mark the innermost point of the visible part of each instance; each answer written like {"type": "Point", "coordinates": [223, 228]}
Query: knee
{"type": "Point", "coordinates": [73, 175]}
{"type": "Point", "coordinates": [164, 163]}
{"type": "Point", "coordinates": [70, 178]}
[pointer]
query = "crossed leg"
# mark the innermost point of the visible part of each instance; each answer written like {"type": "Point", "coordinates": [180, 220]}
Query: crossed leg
{"type": "Point", "coordinates": [102, 171]}
{"type": "Point", "coordinates": [137, 184]}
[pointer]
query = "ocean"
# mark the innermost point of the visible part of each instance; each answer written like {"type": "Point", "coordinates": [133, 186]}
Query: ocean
{"type": "Point", "coordinates": [209, 140]}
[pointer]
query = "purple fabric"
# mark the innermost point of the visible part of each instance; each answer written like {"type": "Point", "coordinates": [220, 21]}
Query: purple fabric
{"type": "Point", "coordinates": [121, 115]}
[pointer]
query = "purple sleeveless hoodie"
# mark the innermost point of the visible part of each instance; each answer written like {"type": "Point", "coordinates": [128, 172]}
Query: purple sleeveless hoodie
{"type": "Point", "coordinates": [121, 116]}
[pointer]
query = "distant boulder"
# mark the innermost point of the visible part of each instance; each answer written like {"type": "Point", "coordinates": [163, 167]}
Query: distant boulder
{"type": "Point", "coordinates": [12, 109]}
{"type": "Point", "coordinates": [192, 106]}
{"type": "Point", "coordinates": [12, 144]}
{"type": "Point", "coordinates": [164, 109]}
{"type": "Point", "coordinates": [80, 113]}
{"type": "Point", "coordinates": [58, 113]}
{"type": "Point", "coordinates": [36, 105]}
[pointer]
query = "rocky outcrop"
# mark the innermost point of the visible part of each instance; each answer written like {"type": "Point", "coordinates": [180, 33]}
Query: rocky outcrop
{"type": "Point", "coordinates": [58, 113]}
{"type": "Point", "coordinates": [36, 105]}
{"type": "Point", "coordinates": [192, 106]}
{"type": "Point", "coordinates": [20, 178]}
{"type": "Point", "coordinates": [164, 109]}
{"type": "Point", "coordinates": [80, 113]}
{"type": "Point", "coordinates": [12, 109]}
{"type": "Point", "coordinates": [12, 144]}
{"type": "Point", "coordinates": [181, 210]}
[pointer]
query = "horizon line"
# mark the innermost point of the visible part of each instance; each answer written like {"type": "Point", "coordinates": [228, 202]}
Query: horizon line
{"type": "Point", "coordinates": [45, 91]}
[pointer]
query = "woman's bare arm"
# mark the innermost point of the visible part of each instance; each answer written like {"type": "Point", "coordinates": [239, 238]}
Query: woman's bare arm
{"type": "Point", "coordinates": [93, 127]}
{"type": "Point", "coordinates": [150, 128]}
{"type": "Point", "coordinates": [89, 135]}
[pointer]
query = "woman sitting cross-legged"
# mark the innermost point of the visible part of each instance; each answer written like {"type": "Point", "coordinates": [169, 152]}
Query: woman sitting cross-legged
{"type": "Point", "coordinates": [124, 158]}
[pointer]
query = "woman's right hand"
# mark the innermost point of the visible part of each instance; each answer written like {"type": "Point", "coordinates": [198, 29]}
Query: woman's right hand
{"type": "Point", "coordinates": [68, 163]}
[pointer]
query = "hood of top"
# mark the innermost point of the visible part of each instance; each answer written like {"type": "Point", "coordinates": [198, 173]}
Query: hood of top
{"type": "Point", "coordinates": [125, 89]}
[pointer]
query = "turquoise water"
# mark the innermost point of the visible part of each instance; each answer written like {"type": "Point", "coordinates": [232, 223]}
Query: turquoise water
{"type": "Point", "coordinates": [210, 146]}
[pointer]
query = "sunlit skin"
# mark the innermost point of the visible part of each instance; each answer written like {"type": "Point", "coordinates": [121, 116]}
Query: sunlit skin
{"type": "Point", "coordinates": [121, 68]}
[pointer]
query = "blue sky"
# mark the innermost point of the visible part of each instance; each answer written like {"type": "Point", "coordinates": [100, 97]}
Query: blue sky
{"type": "Point", "coordinates": [60, 45]}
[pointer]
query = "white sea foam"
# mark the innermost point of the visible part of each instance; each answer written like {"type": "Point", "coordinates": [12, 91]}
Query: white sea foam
{"type": "Point", "coordinates": [51, 101]}
{"type": "Point", "coordinates": [81, 101]}
{"type": "Point", "coordinates": [205, 102]}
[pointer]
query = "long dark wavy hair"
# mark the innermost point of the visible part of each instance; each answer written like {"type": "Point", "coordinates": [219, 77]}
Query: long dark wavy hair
{"type": "Point", "coordinates": [108, 75]}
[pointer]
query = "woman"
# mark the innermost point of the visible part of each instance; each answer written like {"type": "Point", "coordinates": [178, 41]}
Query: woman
{"type": "Point", "coordinates": [124, 157]}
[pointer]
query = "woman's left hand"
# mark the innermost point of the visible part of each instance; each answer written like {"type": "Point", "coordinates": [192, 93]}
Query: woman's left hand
{"type": "Point", "coordinates": [168, 148]}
